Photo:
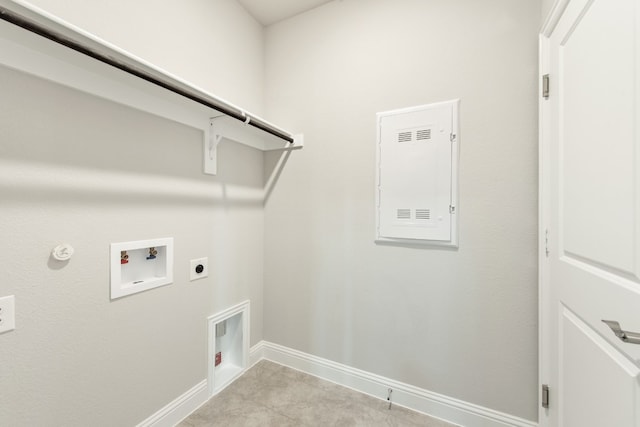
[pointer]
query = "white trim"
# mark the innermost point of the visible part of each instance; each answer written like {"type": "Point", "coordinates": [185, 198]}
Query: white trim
{"type": "Point", "coordinates": [553, 17]}
{"type": "Point", "coordinates": [544, 232]}
{"type": "Point", "coordinates": [256, 353]}
{"type": "Point", "coordinates": [180, 408]}
{"type": "Point", "coordinates": [421, 400]}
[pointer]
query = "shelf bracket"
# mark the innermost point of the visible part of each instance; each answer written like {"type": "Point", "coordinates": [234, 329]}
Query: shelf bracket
{"type": "Point", "coordinates": [234, 130]}
{"type": "Point", "coordinates": [210, 152]}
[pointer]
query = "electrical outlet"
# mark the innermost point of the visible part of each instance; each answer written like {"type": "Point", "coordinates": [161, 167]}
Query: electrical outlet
{"type": "Point", "coordinates": [7, 313]}
{"type": "Point", "coordinates": [199, 268]}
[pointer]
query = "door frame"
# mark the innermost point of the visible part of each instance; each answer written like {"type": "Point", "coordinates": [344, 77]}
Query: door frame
{"type": "Point", "coordinates": [545, 324]}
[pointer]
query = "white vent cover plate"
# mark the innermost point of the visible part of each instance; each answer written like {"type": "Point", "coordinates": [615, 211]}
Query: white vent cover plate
{"type": "Point", "coordinates": [417, 175]}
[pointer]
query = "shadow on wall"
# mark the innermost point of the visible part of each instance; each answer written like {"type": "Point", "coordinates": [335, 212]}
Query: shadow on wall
{"type": "Point", "coordinates": [274, 163]}
{"type": "Point", "coordinates": [79, 149]}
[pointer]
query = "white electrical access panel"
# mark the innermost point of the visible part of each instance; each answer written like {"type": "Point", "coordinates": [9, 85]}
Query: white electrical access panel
{"type": "Point", "coordinates": [140, 265]}
{"type": "Point", "coordinates": [417, 170]}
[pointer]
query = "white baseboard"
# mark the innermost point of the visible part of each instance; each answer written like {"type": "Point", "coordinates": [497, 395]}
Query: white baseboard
{"type": "Point", "coordinates": [180, 408]}
{"type": "Point", "coordinates": [256, 353]}
{"type": "Point", "coordinates": [436, 405]}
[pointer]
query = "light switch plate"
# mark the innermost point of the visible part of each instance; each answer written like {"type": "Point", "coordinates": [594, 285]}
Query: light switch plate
{"type": "Point", "coordinates": [194, 275]}
{"type": "Point", "coordinates": [7, 313]}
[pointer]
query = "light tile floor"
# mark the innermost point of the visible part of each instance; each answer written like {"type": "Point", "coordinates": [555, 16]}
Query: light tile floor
{"type": "Point", "coordinates": [269, 394]}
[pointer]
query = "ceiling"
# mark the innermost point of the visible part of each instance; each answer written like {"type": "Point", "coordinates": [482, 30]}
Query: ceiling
{"type": "Point", "coordinates": [272, 11]}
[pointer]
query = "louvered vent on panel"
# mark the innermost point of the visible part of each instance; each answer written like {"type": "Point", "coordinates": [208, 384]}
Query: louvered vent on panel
{"type": "Point", "coordinates": [423, 214]}
{"type": "Point", "coordinates": [405, 136]}
{"type": "Point", "coordinates": [416, 182]}
{"type": "Point", "coordinates": [423, 134]}
{"type": "Point", "coordinates": [404, 214]}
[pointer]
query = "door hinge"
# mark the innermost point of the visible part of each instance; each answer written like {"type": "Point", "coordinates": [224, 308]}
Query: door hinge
{"type": "Point", "coordinates": [545, 396]}
{"type": "Point", "coordinates": [452, 137]}
{"type": "Point", "coordinates": [546, 243]}
{"type": "Point", "coordinates": [545, 86]}
{"type": "Point", "coordinates": [452, 209]}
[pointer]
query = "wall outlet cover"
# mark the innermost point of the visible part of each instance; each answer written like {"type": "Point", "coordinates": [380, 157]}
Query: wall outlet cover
{"type": "Point", "coordinates": [199, 268]}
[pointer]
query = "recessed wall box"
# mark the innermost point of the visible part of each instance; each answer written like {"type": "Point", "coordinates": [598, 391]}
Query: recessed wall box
{"type": "Point", "coordinates": [417, 175]}
{"type": "Point", "coordinates": [141, 265]}
{"type": "Point", "coordinates": [228, 346]}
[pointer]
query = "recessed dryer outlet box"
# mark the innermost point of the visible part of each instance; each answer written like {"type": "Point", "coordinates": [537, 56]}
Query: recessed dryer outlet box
{"type": "Point", "coordinates": [228, 346]}
{"type": "Point", "coordinates": [141, 265]}
{"type": "Point", "coordinates": [199, 268]}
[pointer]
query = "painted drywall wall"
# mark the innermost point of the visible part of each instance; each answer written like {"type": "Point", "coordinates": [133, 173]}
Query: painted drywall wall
{"type": "Point", "coordinates": [215, 44]}
{"type": "Point", "coordinates": [90, 174]}
{"type": "Point", "coordinates": [547, 5]}
{"type": "Point", "coordinates": [81, 170]}
{"type": "Point", "coordinates": [458, 322]}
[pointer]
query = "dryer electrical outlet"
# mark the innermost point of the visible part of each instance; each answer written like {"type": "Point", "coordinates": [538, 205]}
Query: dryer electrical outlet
{"type": "Point", "coordinates": [417, 170]}
{"type": "Point", "coordinates": [199, 268]}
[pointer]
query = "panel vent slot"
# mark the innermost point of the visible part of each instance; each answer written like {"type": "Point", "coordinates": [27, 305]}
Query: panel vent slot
{"type": "Point", "coordinates": [417, 175]}
{"type": "Point", "coordinates": [423, 214]}
{"type": "Point", "coordinates": [423, 134]}
{"type": "Point", "coordinates": [405, 136]}
{"type": "Point", "coordinates": [404, 214]}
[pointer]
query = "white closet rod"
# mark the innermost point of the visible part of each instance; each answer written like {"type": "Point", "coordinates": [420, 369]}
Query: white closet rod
{"type": "Point", "coordinates": [183, 90]}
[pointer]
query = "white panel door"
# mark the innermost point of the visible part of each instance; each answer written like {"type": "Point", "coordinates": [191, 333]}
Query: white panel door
{"type": "Point", "coordinates": [594, 216]}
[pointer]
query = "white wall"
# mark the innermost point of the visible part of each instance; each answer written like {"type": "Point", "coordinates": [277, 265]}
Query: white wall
{"type": "Point", "coordinates": [547, 5]}
{"type": "Point", "coordinates": [458, 322]}
{"type": "Point", "coordinates": [215, 44]}
{"type": "Point", "coordinates": [78, 169]}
